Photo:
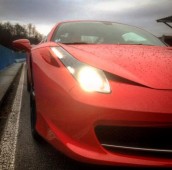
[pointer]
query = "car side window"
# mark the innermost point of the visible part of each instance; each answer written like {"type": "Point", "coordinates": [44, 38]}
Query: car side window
{"type": "Point", "coordinates": [44, 40]}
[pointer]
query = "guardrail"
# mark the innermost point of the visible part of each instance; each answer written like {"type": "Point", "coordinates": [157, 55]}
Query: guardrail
{"type": "Point", "coordinates": [8, 57]}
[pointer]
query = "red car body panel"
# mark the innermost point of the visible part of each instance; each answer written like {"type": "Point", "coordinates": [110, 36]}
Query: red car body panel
{"type": "Point", "coordinates": [139, 63]}
{"type": "Point", "coordinates": [67, 116]}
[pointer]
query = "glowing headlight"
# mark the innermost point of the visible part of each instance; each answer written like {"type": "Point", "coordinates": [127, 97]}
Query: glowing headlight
{"type": "Point", "coordinates": [90, 79]}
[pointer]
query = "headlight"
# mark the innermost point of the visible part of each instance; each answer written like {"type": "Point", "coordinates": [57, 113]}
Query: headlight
{"type": "Point", "coordinates": [90, 78]}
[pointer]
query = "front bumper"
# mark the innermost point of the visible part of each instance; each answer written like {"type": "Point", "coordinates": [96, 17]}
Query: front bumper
{"type": "Point", "coordinates": [70, 121]}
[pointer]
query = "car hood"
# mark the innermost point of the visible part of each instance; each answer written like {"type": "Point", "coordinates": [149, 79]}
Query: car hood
{"type": "Point", "coordinates": [150, 66]}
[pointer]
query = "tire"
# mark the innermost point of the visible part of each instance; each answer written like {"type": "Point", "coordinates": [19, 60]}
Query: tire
{"type": "Point", "coordinates": [28, 83]}
{"type": "Point", "coordinates": [35, 134]}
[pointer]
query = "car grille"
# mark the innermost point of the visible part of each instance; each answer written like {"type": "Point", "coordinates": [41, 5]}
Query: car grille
{"type": "Point", "coordinates": [150, 141]}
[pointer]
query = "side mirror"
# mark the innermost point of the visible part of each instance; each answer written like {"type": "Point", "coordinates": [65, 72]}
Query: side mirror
{"type": "Point", "coordinates": [22, 44]}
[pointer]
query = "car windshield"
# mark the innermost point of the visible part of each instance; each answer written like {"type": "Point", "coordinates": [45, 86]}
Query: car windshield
{"type": "Point", "coordinates": [103, 33]}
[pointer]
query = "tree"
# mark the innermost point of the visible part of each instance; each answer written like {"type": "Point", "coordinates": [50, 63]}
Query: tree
{"type": "Point", "coordinates": [20, 31]}
{"type": "Point", "coordinates": [9, 33]}
{"type": "Point", "coordinates": [29, 28]}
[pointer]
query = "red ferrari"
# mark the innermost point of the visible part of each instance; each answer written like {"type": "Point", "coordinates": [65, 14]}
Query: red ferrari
{"type": "Point", "coordinates": [101, 92]}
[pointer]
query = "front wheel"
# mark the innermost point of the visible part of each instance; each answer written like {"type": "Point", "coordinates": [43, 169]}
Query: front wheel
{"type": "Point", "coordinates": [28, 83]}
{"type": "Point", "coordinates": [33, 116]}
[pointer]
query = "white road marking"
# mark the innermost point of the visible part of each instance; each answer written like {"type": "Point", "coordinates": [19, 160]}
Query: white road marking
{"type": "Point", "coordinates": [8, 141]}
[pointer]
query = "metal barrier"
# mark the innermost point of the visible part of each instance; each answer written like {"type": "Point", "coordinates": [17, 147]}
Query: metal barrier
{"type": "Point", "coordinates": [8, 57]}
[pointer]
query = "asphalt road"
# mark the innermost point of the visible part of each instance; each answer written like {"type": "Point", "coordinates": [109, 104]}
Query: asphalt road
{"type": "Point", "coordinates": [31, 155]}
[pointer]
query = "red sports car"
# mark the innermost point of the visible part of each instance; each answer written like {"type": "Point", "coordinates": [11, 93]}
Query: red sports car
{"type": "Point", "coordinates": [101, 92]}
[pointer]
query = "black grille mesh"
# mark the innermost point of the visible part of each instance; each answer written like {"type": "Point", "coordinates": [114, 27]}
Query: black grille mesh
{"type": "Point", "coordinates": [153, 138]}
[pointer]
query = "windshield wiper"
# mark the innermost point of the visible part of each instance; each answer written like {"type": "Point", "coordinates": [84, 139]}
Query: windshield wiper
{"type": "Point", "coordinates": [137, 44]}
{"type": "Point", "coordinates": [75, 43]}
{"type": "Point", "coordinates": [143, 44]}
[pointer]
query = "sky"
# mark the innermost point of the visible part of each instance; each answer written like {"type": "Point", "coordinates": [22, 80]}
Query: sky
{"type": "Point", "coordinates": [44, 14]}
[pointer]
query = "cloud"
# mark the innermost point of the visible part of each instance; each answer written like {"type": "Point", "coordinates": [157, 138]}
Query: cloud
{"type": "Point", "coordinates": [116, 7]}
{"type": "Point", "coordinates": [45, 13]}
